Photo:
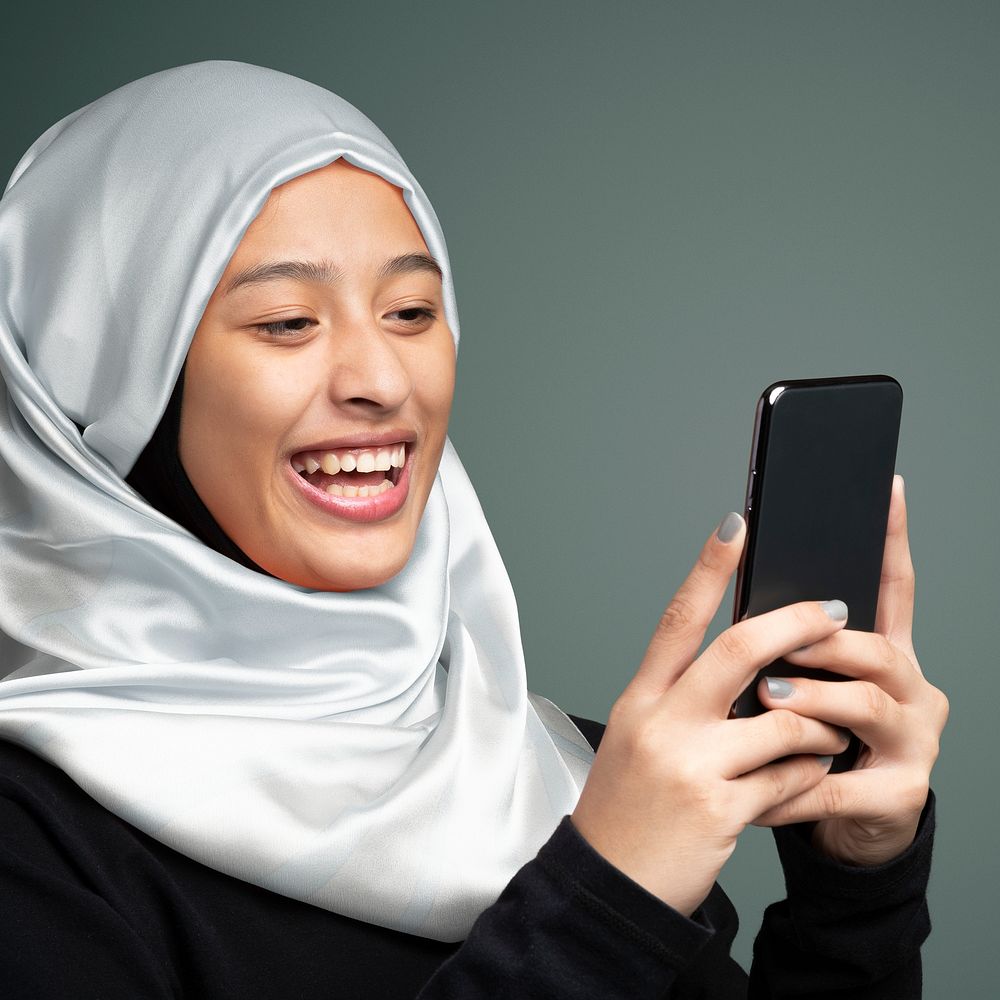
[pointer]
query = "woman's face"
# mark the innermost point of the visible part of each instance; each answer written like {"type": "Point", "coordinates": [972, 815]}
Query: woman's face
{"type": "Point", "coordinates": [357, 363]}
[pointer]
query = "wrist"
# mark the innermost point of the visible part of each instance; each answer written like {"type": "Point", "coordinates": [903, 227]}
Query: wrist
{"type": "Point", "coordinates": [673, 885]}
{"type": "Point", "coordinates": [814, 882]}
{"type": "Point", "coordinates": [866, 848]}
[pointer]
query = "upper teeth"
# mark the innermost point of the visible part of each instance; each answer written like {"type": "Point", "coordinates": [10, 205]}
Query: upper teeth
{"type": "Point", "coordinates": [349, 460]}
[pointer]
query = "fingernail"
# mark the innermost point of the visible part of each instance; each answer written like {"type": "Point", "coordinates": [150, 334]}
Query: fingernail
{"type": "Point", "coordinates": [777, 688]}
{"type": "Point", "coordinates": [837, 610]}
{"type": "Point", "coordinates": [825, 761]}
{"type": "Point", "coordinates": [902, 484]}
{"type": "Point", "coordinates": [729, 526]}
{"type": "Point", "coordinates": [845, 735]}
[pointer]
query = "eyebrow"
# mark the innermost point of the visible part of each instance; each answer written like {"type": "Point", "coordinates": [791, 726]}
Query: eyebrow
{"type": "Point", "coordinates": [325, 271]}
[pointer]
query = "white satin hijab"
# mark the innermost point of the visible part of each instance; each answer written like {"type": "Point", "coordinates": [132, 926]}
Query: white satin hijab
{"type": "Point", "coordinates": [374, 753]}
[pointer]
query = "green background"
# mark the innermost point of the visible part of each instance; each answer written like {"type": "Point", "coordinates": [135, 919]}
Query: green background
{"type": "Point", "coordinates": [654, 210]}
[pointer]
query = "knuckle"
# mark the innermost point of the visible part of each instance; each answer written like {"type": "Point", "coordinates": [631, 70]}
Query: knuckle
{"type": "Point", "coordinates": [932, 723]}
{"type": "Point", "coordinates": [942, 706]}
{"type": "Point", "coordinates": [645, 742]}
{"type": "Point", "coordinates": [913, 794]}
{"type": "Point", "coordinates": [620, 715]}
{"type": "Point", "coordinates": [876, 703]}
{"type": "Point", "coordinates": [804, 771]}
{"type": "Point", "coordinates": [900, 575]}
{"type": "Point", "coordinates": [808, 771]}
{"type": "Point", "coordinates": [928, 747]}
{"type": "Point", "coordinates": [680, 615]}
{"type": "Point", "coordinates": [831, 798]}
{"type": "Point", "coordinates": [716, 809]}
{"type": "Point", "coordinates": [733, 645]}
{"type": "Point", "coordinates": [778, 783]}
{"type": "Point", "coordinates": [687, 783]}
{"type": "Point", "coordinates": [885, 651]}
{"type": "Point", "coordinates": [790, 729]}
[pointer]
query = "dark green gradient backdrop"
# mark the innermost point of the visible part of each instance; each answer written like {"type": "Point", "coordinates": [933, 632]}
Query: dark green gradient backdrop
{"type": "Point", "coordinates": [654, 210]}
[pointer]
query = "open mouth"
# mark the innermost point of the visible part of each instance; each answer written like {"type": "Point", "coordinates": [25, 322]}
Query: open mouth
{"type": "Point", "coordinates": [353, 472]}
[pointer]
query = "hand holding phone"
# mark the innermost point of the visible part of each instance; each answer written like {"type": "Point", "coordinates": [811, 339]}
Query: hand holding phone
{"type": "Point", "coordinates": [676, 778]}
{"type": "Point", "coordinates": [817, 504]}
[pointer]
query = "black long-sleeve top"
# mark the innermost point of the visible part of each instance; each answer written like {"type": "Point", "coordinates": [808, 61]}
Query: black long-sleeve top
{"type": "Point", "coordinates": [94, 909]}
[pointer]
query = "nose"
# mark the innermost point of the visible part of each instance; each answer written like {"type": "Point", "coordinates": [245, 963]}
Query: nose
{"type": "Point", "coordinates": [367, 369]}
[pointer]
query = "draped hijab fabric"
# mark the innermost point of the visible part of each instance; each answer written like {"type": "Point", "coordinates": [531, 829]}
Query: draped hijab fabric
{"type": "Point", "coordinates": [375, 753]}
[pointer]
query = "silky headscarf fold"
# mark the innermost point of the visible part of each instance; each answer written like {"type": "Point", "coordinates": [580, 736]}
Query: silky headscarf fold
{"type": "Point", "coordinates": [375, 753]}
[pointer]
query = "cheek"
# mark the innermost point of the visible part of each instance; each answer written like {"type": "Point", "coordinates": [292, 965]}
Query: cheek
{"type": "Point", "coordinates": [437, 384]}
{"type": "Point", "coordinates": [232, 409]}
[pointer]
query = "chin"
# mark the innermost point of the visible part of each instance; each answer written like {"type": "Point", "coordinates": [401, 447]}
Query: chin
{"type": "Point", "coordinates": [337, 576]}
{"type": "Point", "coordinates": [359, 582]}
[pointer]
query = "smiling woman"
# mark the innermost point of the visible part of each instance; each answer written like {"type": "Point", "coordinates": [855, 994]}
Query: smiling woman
{"type": "Point", "coordinates": [296, 358]}
{"type": "Point", "coordinates": [265, 727]}
{"type": "Point", "coordinates": [243, 631]}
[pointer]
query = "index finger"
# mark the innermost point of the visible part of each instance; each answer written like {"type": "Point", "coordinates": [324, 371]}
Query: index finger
{"type": "Point", "coordinates": [683, 624]}
{"type": "Point", "coordinates": [731, 660]}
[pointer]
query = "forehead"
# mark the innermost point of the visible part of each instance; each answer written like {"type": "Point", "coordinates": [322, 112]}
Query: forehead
{"type": "Point", "coordinates": [338, 204]}
{"type": "Point", "coordinates": [337, 188]}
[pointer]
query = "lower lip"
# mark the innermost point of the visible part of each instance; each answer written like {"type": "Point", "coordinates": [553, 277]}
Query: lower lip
{"type": "Point", "coordinates": [363, 509]}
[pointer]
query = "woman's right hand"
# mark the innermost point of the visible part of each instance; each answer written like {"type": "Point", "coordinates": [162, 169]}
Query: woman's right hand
{"type": "Point", "coordinates": [675, 780]}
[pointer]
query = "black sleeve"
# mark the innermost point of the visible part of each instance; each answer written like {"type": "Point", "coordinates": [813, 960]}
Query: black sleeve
{"type": "Point", "coordinates": [94, 909]}
{"type": "Point", "coordinates": [571, 926]}
{"type": "Point", "coordinates": [843, 930]}
{"type": "Point", "coordinates": [90, 902]}
{"type": "Point", "coordinates": [42, 896]}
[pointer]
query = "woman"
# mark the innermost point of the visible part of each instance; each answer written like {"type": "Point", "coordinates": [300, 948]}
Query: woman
{"type": "Point", "coordinates": [266, 736]}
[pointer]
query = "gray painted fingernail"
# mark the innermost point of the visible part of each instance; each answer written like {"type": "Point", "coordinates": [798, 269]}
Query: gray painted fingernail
{"type": "Point", "coordinates": [825, 761]}
{"type": "Point", "coordinates": [837, 610]}
{"type": "Point", "coordinates": [729, 526]}
{"type": "Point", "coordinates": [777, 688]}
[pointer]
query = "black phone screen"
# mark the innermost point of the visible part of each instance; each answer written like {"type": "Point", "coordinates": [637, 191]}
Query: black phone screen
{"type": "Point", "coordinates": [818, 491]}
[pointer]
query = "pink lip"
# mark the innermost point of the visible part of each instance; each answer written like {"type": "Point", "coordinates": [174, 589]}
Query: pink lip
{"type": "Point", "coordinates": [358, 508]}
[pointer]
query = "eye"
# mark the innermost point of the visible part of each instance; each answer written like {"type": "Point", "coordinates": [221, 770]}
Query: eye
{"type": "Point", "coordinates": [414, 315]}
{"type": "Point", "coordinates": [284, 327]}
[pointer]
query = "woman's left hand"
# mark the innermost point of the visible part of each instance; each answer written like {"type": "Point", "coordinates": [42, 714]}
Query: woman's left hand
{"type": "Point", "coordinates": [870, 814]}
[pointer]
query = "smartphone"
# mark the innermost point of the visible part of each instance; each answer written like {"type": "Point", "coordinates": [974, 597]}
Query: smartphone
{"type": "Point", "coordinates": [817, 505]}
